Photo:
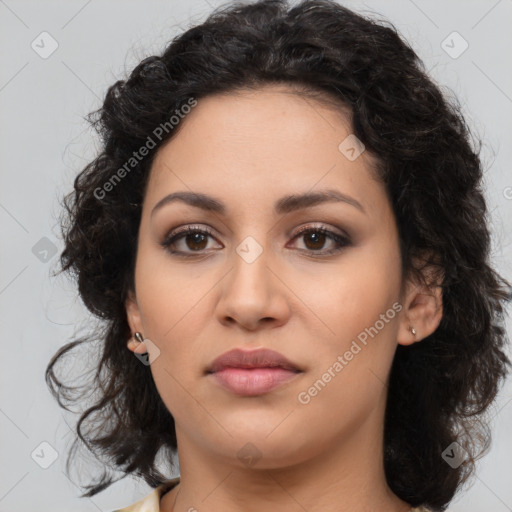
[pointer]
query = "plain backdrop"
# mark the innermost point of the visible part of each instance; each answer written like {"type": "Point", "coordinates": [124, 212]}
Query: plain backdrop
{"type": "Point", "coordinates": [45, 142]}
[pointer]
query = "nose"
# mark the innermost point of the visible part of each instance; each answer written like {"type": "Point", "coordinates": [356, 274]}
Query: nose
{"type": "Point", "coordinates": [253, 294]}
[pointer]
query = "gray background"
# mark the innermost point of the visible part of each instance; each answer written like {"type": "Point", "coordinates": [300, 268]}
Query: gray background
{"type": "Point", "coordinates": [44, 142]}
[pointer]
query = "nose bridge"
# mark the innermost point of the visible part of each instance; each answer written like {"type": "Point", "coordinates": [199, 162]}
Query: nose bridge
{"type": "Point", "coordinates": [252, 249]}
{"type": "Point", "coordinates": [250, 260]}
{"type": "Point", "coordinates": [251, 291]}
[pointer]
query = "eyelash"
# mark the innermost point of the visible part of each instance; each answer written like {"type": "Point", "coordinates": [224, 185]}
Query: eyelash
{"type": "Point", "coordinates": [341, 241]}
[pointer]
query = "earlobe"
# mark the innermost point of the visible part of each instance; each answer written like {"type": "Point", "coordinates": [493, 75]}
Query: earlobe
{"type": "Point", "coordinates": [135, 343]}
{"type": "Point", "coordinates": [422, 313]}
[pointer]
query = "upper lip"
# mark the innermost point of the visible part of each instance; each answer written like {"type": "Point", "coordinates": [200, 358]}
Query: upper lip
{"type": "Point", "coordinates": [259, 358]}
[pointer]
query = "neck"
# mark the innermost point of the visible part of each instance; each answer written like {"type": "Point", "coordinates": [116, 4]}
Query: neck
{"type": "Point", "coordinates": [347, 475]}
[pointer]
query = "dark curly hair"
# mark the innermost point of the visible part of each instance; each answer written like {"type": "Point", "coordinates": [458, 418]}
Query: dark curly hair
{"type": "Point", "coordinates": [429, 162]}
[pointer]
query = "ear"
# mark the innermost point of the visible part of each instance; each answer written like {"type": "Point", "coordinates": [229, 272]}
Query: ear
{"type": "Point", "coordinates": [134, 321]}
{"type": "Point", "coordinates": [422, 306]}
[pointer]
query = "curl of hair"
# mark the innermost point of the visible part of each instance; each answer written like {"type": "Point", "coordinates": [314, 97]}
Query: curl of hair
{"type": "Point", "coordinates": [439, 387]}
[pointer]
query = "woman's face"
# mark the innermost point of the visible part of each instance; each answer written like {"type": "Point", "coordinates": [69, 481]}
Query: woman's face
{"type": "Point", "coordinates": [331, 308]}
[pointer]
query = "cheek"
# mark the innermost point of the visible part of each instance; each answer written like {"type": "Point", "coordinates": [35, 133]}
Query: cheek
{"type": "Point", "coordinates": [169, 292]}
{"type": "Point", "coordinates": [349, 371]}
{"type": "Point", "coordinates": [353, 295]}
{"type": "Point", "coordinates": [173, 307]}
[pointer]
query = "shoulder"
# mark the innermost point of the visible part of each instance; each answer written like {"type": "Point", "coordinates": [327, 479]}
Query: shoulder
{"type": "Point", "coordinates": [151, 502]}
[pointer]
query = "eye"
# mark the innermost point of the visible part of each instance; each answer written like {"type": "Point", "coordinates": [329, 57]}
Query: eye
{"type": "Point", "coordinates": [194, 238]}
{"type": "Point", "coordinates": [315, 238]}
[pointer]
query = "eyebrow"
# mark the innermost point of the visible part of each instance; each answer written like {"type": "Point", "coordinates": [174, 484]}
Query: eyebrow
{"type": "Point", "coordinates": [284, 205]}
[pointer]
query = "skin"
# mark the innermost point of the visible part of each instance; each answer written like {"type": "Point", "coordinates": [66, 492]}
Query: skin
{"type": "Point", "coordinates": [248, 150]}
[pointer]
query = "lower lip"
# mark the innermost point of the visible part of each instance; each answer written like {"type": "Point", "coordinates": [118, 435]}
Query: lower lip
{"type": "Point", "coordinates": [252, 381]}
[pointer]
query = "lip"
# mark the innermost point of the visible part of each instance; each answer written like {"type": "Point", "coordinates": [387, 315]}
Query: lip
{"type": "Point", "coordinates": [258, 358]}
{"type": "Point", "coordinates": [252, 381]}
{"type": "Point", "coordinates": [253, 372]}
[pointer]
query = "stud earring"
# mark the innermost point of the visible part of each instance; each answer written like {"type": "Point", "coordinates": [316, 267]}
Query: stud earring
{"type": "Point", "coordinates": [136, 338]}
{"type": "Point", "coordinates": [413, 330]}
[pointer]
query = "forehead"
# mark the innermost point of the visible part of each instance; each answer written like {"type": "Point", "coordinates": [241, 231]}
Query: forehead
{"type": "Point", "coordinates": [260, 144]}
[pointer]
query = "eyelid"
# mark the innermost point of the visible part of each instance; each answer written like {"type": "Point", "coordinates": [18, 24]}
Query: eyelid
{"type": "Point", "coordinates": [320, 226]}
{"type": "Point", "coordinates": [189, 227]}
{"type": "Point", "coordinates": [184, 230]}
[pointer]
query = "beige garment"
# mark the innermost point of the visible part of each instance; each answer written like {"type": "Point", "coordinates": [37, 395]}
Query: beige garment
{"type": "Point", "coordinates": [151, 503]}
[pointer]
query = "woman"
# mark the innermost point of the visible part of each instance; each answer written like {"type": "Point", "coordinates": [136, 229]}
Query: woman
{"type": "Point", "coordinates": [286, 238]}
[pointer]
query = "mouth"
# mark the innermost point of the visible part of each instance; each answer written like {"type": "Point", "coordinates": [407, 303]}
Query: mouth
{"type": "Point", "coordinates": [252, 373]}
{"type": "Point", "coordinates": [247, 366]}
